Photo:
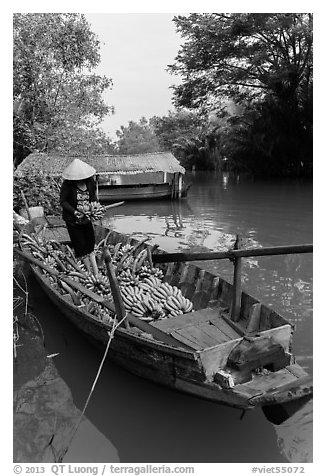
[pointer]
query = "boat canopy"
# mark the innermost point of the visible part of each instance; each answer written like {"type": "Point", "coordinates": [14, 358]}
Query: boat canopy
{"type": "Point", "coordinates": [54, 164]}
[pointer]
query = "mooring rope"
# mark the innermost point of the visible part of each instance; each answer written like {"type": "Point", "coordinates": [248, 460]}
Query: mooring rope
{"type": "Point", "coordinates": [111, 335]}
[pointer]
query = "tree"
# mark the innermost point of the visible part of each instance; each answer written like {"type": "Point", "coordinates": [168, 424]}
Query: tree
{"type": "Point", "coordinates": [189, 137]}
{"type": "Point", "coordinates": [241, 54]}
{"type": "Point", "coordinates": [170, 128]}
{"type": "Point", "coordinates": [137, 138]}
{"type": "Point", "coordinates": [55, 94]}
{"type": "Point", "coordinates": [262, 62]}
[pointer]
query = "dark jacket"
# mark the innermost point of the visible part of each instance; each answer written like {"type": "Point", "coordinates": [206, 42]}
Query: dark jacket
{"type": "Point", "coordinates": [68, 198]}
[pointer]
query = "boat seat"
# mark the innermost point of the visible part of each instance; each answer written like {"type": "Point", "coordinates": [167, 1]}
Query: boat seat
{"type": "Point", "coordinates": [200, 329]}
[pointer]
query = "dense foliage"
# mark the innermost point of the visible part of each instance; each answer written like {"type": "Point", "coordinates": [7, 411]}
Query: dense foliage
{"type": "Point", "coordinates": [38, 189]}
{"type": "Point", "coordinates": [262, 62]}
{"type": "Point", "coordinates": [137, 138]}
{"type": "Point", "coordinates": [58, 102]}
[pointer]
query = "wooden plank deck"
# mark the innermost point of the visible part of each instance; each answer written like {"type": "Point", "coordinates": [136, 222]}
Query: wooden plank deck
{"type": "Point", "coordinates": [200, 330]}
{"type": "Point", "coordinates": [185, 320]}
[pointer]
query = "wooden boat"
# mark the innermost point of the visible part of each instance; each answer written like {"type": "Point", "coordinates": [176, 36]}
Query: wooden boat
{"type": "Point", "coordinates": [154, 175]}
{"type": "Point", "coordinates": [131, 192]}
{"type": "Point", "coordinates": [203, 353]}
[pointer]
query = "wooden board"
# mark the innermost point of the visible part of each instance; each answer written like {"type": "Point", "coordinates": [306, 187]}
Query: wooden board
{"type": "Point", "coordinates": [224, 327]}
{"type": "Point", "coordinates": [183, 339]}
{"type": "Point", "coordinates": [185, 320]}
{"type": "Point", "coordinates": [55, 221]}
{"type": "Point", "coordinates": [266, 383]}
{"type": "Point", "coordinates": [215, 333]}
{"type": "Point", "coordinates": [203, 336]}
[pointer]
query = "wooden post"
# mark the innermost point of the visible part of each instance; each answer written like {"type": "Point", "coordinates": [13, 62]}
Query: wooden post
{"type": "Point", "coordinates": [97, 198]}
{"type": "Point", "coordinates": [254, 318]}
{"type": "Point", "coordinates": [236, 292]}
{"type": "Point", "coordinates": [116, 294]}
{"type": "Point", "coordinates": [179, 185]}
{"type": "Point", "coordinates": [26, 206]}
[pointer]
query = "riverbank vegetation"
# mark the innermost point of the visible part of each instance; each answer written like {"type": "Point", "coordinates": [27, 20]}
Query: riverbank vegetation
{"type": "Point", "coordinates": [244, 103]}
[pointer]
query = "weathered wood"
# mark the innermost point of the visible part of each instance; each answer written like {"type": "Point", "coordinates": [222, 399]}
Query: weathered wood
{"type": "Point", "coordinates": [225, 327]}
{"type": "Point", "coordinates": [271, 381]}
{"type": "Point", "coordinates": [179, 336]}
{"type": "Point", "coordinates": [112, 205]}
{"type": "Point", "coordinates": [294, 389]}
{"type": "Point", "coordinates": [236, 291]}
{"type": "Point", "coordinates": [258, 352]}
{"type": "Point", "coordinates": [215, 255]}
{"type": "Point", "coordinates": [116, 294]}
{"type": "Point", "coordinates": [214, 332]}
{"type": "Point", "coordinates": [185, 320]}
{"type": "Point", "coordinates": [199, 336]}
{"type": "Point", "coordinates": [254, 318]}
{"type": "Point", "coordinates": [238, 329]}
{"type": "Point", "coordinates": [216, 357]}
{"type": "Point", "coordinates": [26, 205]}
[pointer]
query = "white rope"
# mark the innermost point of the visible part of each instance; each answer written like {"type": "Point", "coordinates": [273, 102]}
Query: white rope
{"type": "Point", "coordinates": [111, 335]}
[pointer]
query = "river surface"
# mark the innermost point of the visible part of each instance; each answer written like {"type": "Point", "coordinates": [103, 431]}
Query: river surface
{"type": "Point", "coordinates": [133, 420]}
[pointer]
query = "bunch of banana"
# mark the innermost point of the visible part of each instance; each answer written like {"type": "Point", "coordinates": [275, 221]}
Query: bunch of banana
{"type": "Point", "coordinates": [98, 284]}
{"type": "Point", "coordinates": [153, 309]}
{"type": "Point", "coordinates": [98, 311]}
{"type": "Point", "coordinates": [124, 249]}
{"type": "Point", "coordinates": [176, 305]}
{"type": "Point", "coordinates": [140, 310]}
{"type": "Point", "coordinates": [150, 283]}
{"type": "Point", "coordinates": [163, 291]}
{"type": "Point", "coordinates": [50, 261]}
{"type": "Point", "coordinates": [126, 278]}
{"type": "Point", "coordinates": [131, 296]}
{"type": "Point", "coordinates": [96, 211]}
{"type": "Point", "coordinates": [146, 271]}
{"type": "Point", "coordinates": [93, 210]}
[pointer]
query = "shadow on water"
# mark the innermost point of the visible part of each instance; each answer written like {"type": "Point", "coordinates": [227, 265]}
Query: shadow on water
{"type": "Point", "coordinates": [143, 422]}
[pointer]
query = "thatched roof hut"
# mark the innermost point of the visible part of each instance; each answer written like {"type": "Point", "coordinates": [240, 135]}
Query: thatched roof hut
{"type": "Point", "coordinates": [53, 164]}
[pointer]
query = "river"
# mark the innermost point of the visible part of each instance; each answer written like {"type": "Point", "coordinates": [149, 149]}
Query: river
{"type": "Point", "coordinates": [131, 420]}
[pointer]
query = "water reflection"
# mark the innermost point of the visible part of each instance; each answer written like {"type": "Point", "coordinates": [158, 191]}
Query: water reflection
{"type": "Point", "coordinates": [295, 433]}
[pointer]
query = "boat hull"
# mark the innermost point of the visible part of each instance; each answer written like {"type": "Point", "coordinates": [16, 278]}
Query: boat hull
{"type": "Point", "coordinates": [161, 364]}
{"type": "Point", "coordinates": [158, 191]}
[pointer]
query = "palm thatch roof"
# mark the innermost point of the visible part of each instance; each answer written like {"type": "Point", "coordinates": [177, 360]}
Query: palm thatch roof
{"type": "Point", "coordinates": [53, 165]}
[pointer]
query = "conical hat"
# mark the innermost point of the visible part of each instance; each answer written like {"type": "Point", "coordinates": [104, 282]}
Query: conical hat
{"type": "Point", "coordinates": [78, 170]}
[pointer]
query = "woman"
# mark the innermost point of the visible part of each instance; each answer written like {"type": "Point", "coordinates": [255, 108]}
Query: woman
{"type": "Point", "coordinates": [78, 191]}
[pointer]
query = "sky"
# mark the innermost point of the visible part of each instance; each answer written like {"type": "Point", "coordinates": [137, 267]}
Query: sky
{"type": "Point", "coordinates": [135, 51]}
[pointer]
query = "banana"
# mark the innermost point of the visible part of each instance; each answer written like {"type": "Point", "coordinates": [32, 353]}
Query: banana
{"type": "Point", "coordinates": [159, 294]}
{"type": "Point", "coordinates": [176, 292]}
{"type": "Point", "coordinates": [175, 301]}
{"type": "Point", "coordinates": [176, 313]}
{"type": "Point", "coordinates": [128, 301]}
{"type": "Point", "coordinates": [169, 307]}
{"type": "Point", "coordinates": [136, 313]}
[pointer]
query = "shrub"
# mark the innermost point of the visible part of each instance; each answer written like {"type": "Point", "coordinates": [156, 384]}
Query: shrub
{"type": "Point", "coordinates": [39, 190]}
